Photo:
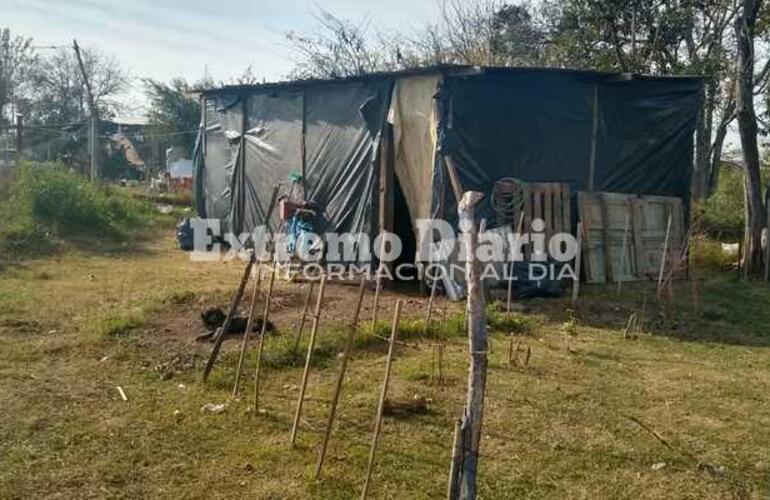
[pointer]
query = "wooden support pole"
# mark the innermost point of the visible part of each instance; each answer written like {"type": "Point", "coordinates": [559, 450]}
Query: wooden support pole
{"type": "Point", "coordinates": [340, 379]}
{"type": "Point", "coordinates": [664, 256]}
{"type": "Point", "coordinates": [509, 302]}
{"type": "Point", "coordinates": [454, 178]}
{"type": "Point", "coordinates": [236, 301]}
{"type": "Point", "coordinates": [594, 137]}
{"type": "Point", "coordinates": [381, 404]}
{"type": "Point", "coordinates": [473, 413]}
{"type": "Point", "coordinates": [578, 259]}
{"type": "Point", "coordinates": [378, 282]}
{"type": "Point", "coordinates": [623, 251]}
{"type": "Point", "coordinates": [608, 260]}
{"type": "Point", "coordinates": [303, 320]}
{"type": "Point", "coordinates": [306, 371]}
{"type": "Point", "coordinates": [249, 326]}
{"type": "Point", "coordinates": [453, 489]}
{"type": "Point", "coordinates": [263, 334]}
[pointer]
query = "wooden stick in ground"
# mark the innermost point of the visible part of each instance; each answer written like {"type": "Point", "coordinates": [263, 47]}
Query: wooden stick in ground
{"type": "Point", "coordinates": [340, 379]}
{"type": "Point", "coordinates": [378, 281]}
{"type": "Point", "coordinates": [263, 335]}
{"type": "Point", "coordinates": [236, 301]}
{"type": "Point", "coordinates": [578, 258]}
{"type": "Point", "coordinates": [453, 489]}
{"type": "Point", "coordinates": [519, 227]}
{"type": "Point", "coordinates": [249, 326]}
{"type": "Point", "coordinates": [473, 413]}
{"type": "Point", "coordinates": [304, 316]}
{"type": "Point", "coordinates": [429, 313]}
{"type": "Point", "coordinates": [428, 317]}
{"type": "Point", "coordinates": [623, 251]}
{"type": "Point", "coordinates": [306, 371]}
{"type": "Point", "coordinates": [664, 255]}
{"type": "Point", "coordinates": [381, 404]}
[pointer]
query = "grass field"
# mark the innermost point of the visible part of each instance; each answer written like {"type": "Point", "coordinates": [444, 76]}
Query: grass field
{"type": "Point", "coordinates": [570, 424]}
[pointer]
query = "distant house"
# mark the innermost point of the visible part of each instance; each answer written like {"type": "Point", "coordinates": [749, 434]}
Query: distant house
{"type": "Point", "coordinates": [179, 171]}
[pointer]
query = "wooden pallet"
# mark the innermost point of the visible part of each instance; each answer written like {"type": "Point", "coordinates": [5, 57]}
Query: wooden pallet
{"type": "Point", "coordinates": [549, 201]}
{"type": "Point", "coordinates": [604, 218]}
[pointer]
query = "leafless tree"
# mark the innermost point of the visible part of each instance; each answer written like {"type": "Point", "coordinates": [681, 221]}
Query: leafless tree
{"type": "Point", "coordinates": [339, 48]}
{"type": "Point", "coordinates": [59, 93]}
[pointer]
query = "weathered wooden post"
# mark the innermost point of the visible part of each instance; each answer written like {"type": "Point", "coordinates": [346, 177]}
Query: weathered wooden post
{"type": "Point", "coordinates": [578, 257]}
{"type": "Point", "coordinates": [378, 282]}
{"type": "Point", "coordinates": [470, 429]}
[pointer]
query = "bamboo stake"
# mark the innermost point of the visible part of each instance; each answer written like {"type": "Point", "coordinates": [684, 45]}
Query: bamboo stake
{"type": "Point", "coordinates": [428, 316]}
{"type": "Point", "coordinates": [519, 227]}
{"type": "Point", "coordinates": [378, 280]}
{"type": "Point", "coordinates": [340, 379]}
{"type": "Point", "coordinates": [236, 301]}
{"type": "Point", "coordinates": [578, 258]}
{"type": "Point", "coordinates": [381, 404]}
{"type": "Point", "coordinates": [767, 243]}
{"type": "Point", "coordinates": [306, 371]}
{"type": "Point", "coordinates": [441, 363]}
{"type": "Point", "coordinates": [453, 489]}
{"type": "Point", "coordinates": [304, 316]}
{"type": "Point", "coordinates": [249, 326]}
{"type": "Point", "coordinates": [263, 335]}
{"type": "Point", "coordinates": [623, 252]}
{"type": "Point", "coordinates": [664, 255]}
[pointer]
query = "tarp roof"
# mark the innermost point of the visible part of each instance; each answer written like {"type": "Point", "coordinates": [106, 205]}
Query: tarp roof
{"type": "Point", "coordinates": [447, 69]}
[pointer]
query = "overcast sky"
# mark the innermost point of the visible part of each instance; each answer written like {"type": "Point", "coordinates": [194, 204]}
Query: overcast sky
{"type": "Point", "coordinates": [162, 39]}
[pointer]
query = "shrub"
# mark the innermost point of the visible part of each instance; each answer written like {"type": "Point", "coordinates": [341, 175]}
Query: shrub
{"type": "Point", "coordinates": [721, 216]}
{"type": "Point", "coordinates": [49, 200]}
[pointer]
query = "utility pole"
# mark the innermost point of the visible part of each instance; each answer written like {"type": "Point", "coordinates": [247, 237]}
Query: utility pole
{"type": "Point", "coordinates": [94, 118]}
{"type": "Point", "coordinates": [19, 136]}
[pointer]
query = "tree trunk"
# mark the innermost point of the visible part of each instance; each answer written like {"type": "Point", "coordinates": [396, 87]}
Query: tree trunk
{"type": "Point", "coordinates": [728, 113]}
{"type": "Point", "coordinates": [747, 126]}
{"type": "Point", "coordinates": [473, 414]}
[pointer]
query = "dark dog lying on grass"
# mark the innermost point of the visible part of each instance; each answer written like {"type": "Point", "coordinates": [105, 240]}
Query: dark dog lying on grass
{"type": "Point", "coordinates": [214, 318]}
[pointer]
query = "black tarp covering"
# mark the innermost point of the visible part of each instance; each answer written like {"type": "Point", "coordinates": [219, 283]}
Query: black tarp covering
{"type": "Point", "coordinates": [645, 139]}
{"type": "Point", "coordinates": [215, 161]}
{"type": "Point", "coordinates": [537, 125]}
{"type": "Point", "coordinates": [532, 124]}
{"type": "Point", "coordinates": [342, 127]}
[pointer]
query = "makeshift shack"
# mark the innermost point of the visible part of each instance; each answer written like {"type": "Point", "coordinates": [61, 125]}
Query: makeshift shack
{"type": "Point", "coordinates": [378, 151]}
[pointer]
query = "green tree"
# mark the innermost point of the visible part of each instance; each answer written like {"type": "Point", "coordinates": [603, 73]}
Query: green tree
{"type": "Point", "coordinates": [174, 114]}
{"type": "Point", "coordinates": [17, 57]}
